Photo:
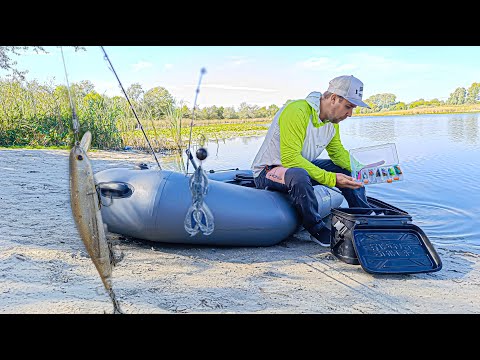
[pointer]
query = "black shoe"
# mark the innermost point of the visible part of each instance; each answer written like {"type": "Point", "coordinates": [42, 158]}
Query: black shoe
{"type": "Point", "coordinates": [321, 237]}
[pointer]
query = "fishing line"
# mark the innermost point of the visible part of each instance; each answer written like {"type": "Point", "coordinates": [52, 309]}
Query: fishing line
{"type": "Point", "coordinates": [76, 126]}
{"type": "Point", "coordinates": [189, 154]}
{"type": "Point", "coordinates": [131, 106]}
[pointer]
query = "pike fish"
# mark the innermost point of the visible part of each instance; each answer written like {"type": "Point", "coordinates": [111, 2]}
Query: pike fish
{"type": "Point", "coordinates": [86, 212]}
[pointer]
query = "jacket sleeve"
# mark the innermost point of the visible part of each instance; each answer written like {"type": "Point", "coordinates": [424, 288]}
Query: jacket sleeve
{"type": "Point", "coordinates": [337, 153]}
{"type": "Point", "coordinates": [293, 124]}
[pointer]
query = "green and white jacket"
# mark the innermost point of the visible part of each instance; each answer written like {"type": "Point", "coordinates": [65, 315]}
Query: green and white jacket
{"type": "Point", "coordinates": [297, 136]}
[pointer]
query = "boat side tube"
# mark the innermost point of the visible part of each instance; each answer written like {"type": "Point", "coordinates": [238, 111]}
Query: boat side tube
{"type": "Point", "coordinates": [243, 216]}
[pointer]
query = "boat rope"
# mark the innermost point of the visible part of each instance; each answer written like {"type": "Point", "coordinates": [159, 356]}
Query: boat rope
{"type": "Point", "coordinates": [202, 72]}
{"type": "Point", "coordinates": [76, 126]}
{"type": "Point", "coordinates": [199, 217]}
{"type": "Point", "coordinates": [131, 106]}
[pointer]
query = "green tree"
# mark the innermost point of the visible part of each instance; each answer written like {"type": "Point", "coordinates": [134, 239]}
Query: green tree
{"type": "Point", "coordinates": [457, 97]}
{"type": "Point", "coordinates": [158, 100]}
{"type": "Point", "coordinates": [364, 110]}
{"type": "Point", "coordinates": [472, 93]}
{"type": "Point", "coordinates": [416, 103]}
{"type": "Point", "coordinates": [246, 111]}
{"type": "Point", "coordinates": [435, 102]}
{"type": "Point", "coordinates": [135, 92]}
{"type": "Point", "coordinates": [220, 112]}
{"type": "Point", "coordinates": [86, 87]}
{"type": "Point", "coordinates": [230, 113]}
{"type": "Point", "coordinates": [272, 110]}
{"type": "Point", "coordinates": [382, 101]}
{"type": "Point", "coordinates": [212, 112]}
{"type": "Point", "coordinates": [82, 89]}
{"type": "Point", "coordinates": [399, 106]}
{"type": "Point", "coordinates": [262, 112]}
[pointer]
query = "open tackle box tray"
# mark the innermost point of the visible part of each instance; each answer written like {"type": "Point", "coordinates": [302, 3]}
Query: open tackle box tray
{"type": "Point", "coordinates": [376, 164]}
{"type": "Point", "coordinates": [383, 240]}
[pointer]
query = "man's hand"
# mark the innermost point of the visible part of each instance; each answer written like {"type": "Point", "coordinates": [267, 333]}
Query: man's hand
{"type": "Point", "coordinates": [344, 181]}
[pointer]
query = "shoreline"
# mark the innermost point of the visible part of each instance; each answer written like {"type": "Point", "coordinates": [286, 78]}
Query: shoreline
{"type": "Point", "coordinates": [238, 133]}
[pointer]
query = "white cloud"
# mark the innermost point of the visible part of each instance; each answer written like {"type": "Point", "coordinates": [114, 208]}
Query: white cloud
{"type": "Point", "coordinates": [381, 63]}
{"type": "Point", "coordinates": [141, 65]}
{"type": "Point", "coordinates": [321, 63]}
{"type": "Point", "coordinates": [346, 68]}
{"type": "Point", "coordinates": [239, 60]}
{"type": "Point", "coordinates": [364, 62]}
{"type": "Point", "coordinates": [241, 88]}
{"type": "Point", "coordinates": [326, 64]}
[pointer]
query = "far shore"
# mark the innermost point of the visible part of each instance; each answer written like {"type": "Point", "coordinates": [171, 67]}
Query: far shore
{"type": "Point", "coordinates": [437, 110]}
{"type": "Point", "coordinates": [213, 130]}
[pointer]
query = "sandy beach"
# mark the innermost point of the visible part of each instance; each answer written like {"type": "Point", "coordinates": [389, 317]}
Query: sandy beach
{"type": "Point", "coordinates": [44, 267]}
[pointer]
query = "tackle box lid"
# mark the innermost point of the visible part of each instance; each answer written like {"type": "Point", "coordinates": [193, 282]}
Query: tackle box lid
{"type": "Point", "coordinates": [394, 249]}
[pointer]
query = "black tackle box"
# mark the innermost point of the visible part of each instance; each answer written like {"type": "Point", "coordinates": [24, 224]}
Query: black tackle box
{"type": "Point", "coordinates": [383, 240]}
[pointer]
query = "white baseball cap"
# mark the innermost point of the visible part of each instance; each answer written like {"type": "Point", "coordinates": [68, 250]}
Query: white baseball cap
{"type": "Point", "coordinates": [348, 87]}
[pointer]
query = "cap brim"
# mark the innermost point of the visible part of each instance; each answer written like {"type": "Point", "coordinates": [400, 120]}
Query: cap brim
{"type": "Point", "coordinates": [358, 102]}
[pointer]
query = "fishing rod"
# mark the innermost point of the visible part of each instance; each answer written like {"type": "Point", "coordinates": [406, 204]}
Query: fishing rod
{"type": "Point", "coordinates": [76, 126]}
{"type": "Point", "coordinates": [189, 154]}
{"type": "Point", "coordinates": [131, 106]}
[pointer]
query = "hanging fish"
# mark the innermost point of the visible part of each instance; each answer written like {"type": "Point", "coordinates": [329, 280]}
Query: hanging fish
{"type": "Point", "coordinates": [84, 202]}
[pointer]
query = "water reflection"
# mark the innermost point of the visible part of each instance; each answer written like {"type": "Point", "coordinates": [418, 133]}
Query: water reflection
{"type": "Point", "coordinates": [455, 128]}
{"type": "Point", "coordinates": [369, 128]}
{"type": "Point", "coordinates": [464, 128]}
{"type": "Point", "coordinates": [471, 129]}
{"type": "Point", "coordinates": [393, 127]}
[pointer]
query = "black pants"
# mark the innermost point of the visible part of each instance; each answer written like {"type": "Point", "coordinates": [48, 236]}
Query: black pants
{"type": "Point", "coordinates": [299, 186]}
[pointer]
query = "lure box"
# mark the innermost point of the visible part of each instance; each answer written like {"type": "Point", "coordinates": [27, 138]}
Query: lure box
{"type": "Point", "coordinates": [383, 240]}
{"type": "Point", "coordinates": [376, 164]}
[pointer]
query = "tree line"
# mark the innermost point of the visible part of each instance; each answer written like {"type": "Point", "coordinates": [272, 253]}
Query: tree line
{"type": "Point", "coordinates": [34, 114]}
{"type": "Point", "coordinates": [37, 114]}
{"type": "Point", "coordinates": [388, 102]}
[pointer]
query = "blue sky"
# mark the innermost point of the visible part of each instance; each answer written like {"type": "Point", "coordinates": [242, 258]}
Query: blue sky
{"type": "Point", "coordinates": [262, 75]}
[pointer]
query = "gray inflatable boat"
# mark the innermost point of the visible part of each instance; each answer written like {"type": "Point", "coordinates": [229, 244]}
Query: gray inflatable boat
{"type": "Point", "coordinates": [152, 204]}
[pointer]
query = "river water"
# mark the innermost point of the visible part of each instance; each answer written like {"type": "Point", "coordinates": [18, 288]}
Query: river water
{"type": "Point", "coordinates": [440, 158]}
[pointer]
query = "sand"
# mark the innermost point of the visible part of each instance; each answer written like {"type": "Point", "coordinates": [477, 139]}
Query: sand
{"type": "Point", "coordinates": [44, 267]}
